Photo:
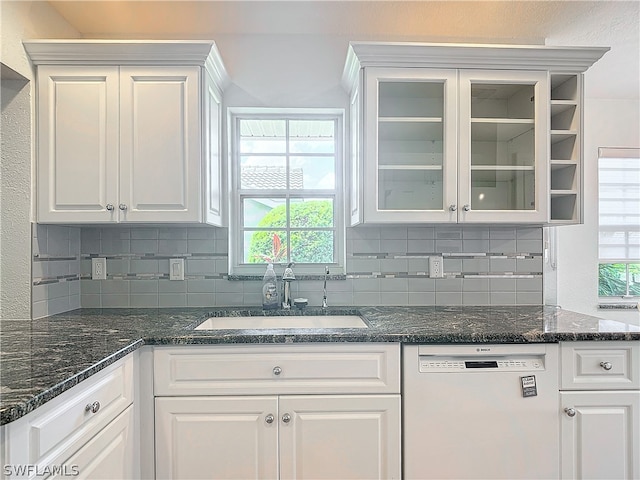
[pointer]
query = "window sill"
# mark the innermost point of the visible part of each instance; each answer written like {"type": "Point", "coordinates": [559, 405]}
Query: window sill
{"type": "Point", "coordinates": [619, 306]}
{"type": "Point", "coordinates": [242, 278]}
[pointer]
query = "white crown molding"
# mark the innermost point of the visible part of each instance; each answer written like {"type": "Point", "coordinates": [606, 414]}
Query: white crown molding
{"type": "Point", "coordinates": [127, 52]}
{"type": "Point", "coordinates": [485, 56]}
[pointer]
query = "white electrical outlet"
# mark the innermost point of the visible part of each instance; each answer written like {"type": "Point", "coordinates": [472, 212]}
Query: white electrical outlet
{"type": "Point", "coordinates": [436, 269]}
{"type": "Point", "coordinates": [99, 268]}
{"type": "Point", "coordinates": [176, 269]}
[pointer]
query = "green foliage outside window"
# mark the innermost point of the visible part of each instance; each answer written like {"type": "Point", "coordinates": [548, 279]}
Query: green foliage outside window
{"type": "Point", "coordinates": [307, 246]}
{"type": "Point", "coordinates": [612, 279]}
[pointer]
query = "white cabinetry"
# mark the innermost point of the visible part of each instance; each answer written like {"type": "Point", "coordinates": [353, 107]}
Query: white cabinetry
{"type": "Point", "coordinates": [296, 411]}
{"type": "Point", "coordinates": [460, 133]}
{"type": "Point", "coordinates": [600, 404]}
{"type": "Point", "coordinates": [86, 432]}
{"type": "Point", "coordinates": [131, 138]}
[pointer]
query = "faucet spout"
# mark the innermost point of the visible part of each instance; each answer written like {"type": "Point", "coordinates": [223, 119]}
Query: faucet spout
{"type": "Point", "coordinates": [287, 278]}
{"type": "Point", "coordinates": [324, 288]}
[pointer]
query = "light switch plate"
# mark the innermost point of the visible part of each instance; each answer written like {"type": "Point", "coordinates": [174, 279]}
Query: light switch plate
{"type": "Point", "coordinates": [176, 269]}
{"type": "Point", "coordinates": [98, 268]}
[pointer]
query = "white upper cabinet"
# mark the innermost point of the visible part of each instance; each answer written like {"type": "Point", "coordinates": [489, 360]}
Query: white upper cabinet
{"type": "Point", "coordinates": [410, 146]}
{"type": "Point", "coordinates": [502, 169]}
{"type": "Point", "coordinates": [134, 137]}
{"type": "Point", "coordinates": [461, 133]}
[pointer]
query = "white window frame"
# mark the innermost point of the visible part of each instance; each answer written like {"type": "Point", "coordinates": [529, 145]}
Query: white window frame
{"type": "Point", "coordinates": [604, 153]}
{"type": "Point", "coordinates": [234, 114]}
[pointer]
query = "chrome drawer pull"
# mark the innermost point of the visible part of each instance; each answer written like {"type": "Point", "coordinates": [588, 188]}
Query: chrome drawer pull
{"type": "Point", "coordinates": [269, 419]}
{"type": "Point", "coordinates": [92, 407]}
{"type": "Point", "coordinates": [286, 418]}
{"type": "Point", "coordinates": [277, 370]}
{"type": "Point", "coordinates": [570, 411]}
{"type": "Point", "coordinates": [606, 365]}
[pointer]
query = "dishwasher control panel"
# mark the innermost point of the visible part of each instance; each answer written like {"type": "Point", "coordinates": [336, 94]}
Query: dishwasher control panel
{"type": "Point", "coordinates": [431, 364]}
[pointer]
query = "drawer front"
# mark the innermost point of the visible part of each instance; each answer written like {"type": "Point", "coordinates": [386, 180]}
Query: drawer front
{"type": "Point", "coordinates": [55, 433]}
{"type": "Point", "coordinates": [600, 365]}
{"type": "Point", "coordinates": [310, 368]}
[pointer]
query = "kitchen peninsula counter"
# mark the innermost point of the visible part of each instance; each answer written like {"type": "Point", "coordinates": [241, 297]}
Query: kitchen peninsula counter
{"type": "Point", "coordinates": [39, 359]}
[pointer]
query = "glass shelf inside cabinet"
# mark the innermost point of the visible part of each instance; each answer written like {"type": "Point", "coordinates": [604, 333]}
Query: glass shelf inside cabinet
{"type": "Point", "coordinates": [502, 147]}
{"type": "Point", "coordinates": [410, 145]}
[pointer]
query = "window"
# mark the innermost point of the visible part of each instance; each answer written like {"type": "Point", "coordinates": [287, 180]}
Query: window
{"type": "Point", "coordinates": [619, 222]}
{"type": "Point", "coordinates": [287, 190]}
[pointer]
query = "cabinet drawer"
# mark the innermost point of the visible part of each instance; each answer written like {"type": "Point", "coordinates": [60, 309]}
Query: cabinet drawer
{"type": "Point", "coordinates": [57, 432]}
{"type": "Point", "coordinates": [600, 365]}
{"type": "Point", "coordinates": [253, 369]}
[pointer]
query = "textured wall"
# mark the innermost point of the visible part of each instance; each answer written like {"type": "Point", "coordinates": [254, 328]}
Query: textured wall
{"type": "Point", "coordinates": [19, 21]}
{"type": "Point", "coordinates": [15, 188]}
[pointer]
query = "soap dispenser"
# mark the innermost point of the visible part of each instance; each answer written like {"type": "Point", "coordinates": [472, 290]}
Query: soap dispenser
{"type": "Point", "coordinates": [270, 289]}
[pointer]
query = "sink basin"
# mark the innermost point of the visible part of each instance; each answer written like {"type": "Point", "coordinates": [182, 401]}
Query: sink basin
{"type": "Point", "coordinates": [277, 322]}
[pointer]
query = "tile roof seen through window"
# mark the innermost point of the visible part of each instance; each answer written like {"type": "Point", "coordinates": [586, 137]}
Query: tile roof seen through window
{"type": "Point", "coordinates": [266, 178]}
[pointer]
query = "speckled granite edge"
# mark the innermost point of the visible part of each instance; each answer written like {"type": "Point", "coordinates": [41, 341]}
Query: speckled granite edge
{"type": "Point", "coordinates": [410, 325]}
{"type": "Point", "coordinates": [16, 411]}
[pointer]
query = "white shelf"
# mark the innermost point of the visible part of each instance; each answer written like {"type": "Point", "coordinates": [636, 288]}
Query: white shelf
{"type": "Point", "coordinates": [499, 130]}
{"type": "Point", "coordinates": [409, 167]}
{"type": "Point", "coordinates": [563, 193]}
{"type": "Point", "coordinates": [560, 135]}
{"type": "Point", "coordinates": [410, 119]}
{"type": "Point", "coordinates": [503, 168]}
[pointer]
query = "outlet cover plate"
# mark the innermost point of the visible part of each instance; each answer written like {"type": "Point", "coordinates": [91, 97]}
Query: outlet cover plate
{"type": "Point", "coordinates": [99, 268]}
{"type": "Point", "coordinates": [436, 267]}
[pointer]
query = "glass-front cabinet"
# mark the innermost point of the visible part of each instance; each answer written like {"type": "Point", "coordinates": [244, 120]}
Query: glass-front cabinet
{"type": "Point", "coordinates": [414, 146]}
{"type": "Point", "coordinates": [466, 132]}
{"type": "Point", "coordinates": [455, 146]}
{"type": "Point", "coordinates": [503, 146]}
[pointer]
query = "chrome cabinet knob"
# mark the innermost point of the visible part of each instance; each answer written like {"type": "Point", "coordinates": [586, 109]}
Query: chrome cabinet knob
{"type": "Point", "coordinates": [286, 418]}
{"type": "Point", "coordinates": [453, 208]}
{"type": "Point", "coordinates": [570, 411]}
{"type": "Point", "coordinates": [110, 207]}
{"type": "Point", "coordinates": [277, 370]}
{"type": "Point", "coordinates": [92, 407]}
{"type": "Point", "coordinates": [269, 419]}
{"type": "Point", "coordinates": [466, 208]}
{"type": "Point", "coordinates": [606, 365]}
{"type": "Point", "coordinates": [122, 207]}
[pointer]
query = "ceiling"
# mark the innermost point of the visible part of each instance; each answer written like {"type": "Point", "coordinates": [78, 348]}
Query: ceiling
{"type": "Point", "coordinates": [596, 23]}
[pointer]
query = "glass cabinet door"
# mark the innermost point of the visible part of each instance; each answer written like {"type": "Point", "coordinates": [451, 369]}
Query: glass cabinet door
{"type": "Point", "coordinates": [503, 147]}
{"type": "Point", "coordinates": [413, 177]}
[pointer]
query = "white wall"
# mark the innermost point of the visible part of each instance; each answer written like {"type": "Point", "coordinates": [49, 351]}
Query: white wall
{"type": "Point", "coordinates": [19, 20]}
{"type": "Point", "coordinates": [608, 123]}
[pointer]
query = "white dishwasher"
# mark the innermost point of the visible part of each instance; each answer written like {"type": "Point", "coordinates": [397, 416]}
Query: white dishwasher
{"type": "Point", "coordinates": [480, 411]}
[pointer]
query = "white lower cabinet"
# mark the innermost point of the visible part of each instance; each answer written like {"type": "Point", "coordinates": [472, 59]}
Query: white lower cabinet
{"type": "Point", "coordinates": [271, 427]}
{"type": "Point", "coordinates": [110, 453]}
{"type": "Point", "coordinates": [86, 432]}
{"type": "Point", "coordinates": [600, 408]}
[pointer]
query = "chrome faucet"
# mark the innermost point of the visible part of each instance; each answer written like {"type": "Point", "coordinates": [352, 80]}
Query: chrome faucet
{"type": "Point", "coordinates": [324, 288]}
{"type": "Point", "coordinates": [287, 278]}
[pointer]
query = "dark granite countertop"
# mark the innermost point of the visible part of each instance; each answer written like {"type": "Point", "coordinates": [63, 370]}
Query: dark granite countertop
{"type": "Point", "coordinates": [39, 359]}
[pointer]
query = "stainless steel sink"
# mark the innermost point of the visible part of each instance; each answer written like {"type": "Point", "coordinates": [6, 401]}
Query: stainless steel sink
{"type": "Point", "coordinates": [277, 322]}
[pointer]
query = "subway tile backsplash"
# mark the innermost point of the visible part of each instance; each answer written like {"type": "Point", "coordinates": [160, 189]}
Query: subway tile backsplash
{"type": "Point", "coordinates": [386, 265]}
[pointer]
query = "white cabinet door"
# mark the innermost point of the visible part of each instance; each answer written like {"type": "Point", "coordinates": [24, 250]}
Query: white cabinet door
{"type": "Point", "coordinates": [77, 144]}
{"type": "Point", "coordinates": [410, 148]}
{"type": "Point", "coordinates": [212, 152]}
{"type": "Point", "coordinates": [108, 455]}
{"type": "Point", "coordinates": [340, 437]}
{"type": "Point", "coordinates": [217, 437]}
{"type": "Point", "coordinates": [503, 141]}
{"type": "Point", "coordinates": [600, 435]}
{"type": "Point", "coordinates": [160, 123]}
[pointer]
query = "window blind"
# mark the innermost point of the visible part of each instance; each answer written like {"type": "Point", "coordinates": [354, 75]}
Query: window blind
{"type": "Point", "coordinates": [619, 205]}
